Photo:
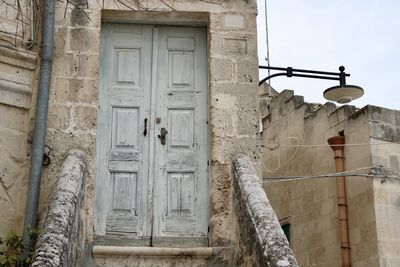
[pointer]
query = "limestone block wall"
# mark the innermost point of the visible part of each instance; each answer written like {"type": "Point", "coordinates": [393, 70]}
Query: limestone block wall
{"type": "Point", "coordinates": [310, 205]}
{"type": "Point", "coordinates": [17, 76]}
{"type": "Point", "coordinates": [233, 90]}
{"type": "Point", "coordinates": [362, 226]}
{"type": "Point", "coordinates": [385, 128]}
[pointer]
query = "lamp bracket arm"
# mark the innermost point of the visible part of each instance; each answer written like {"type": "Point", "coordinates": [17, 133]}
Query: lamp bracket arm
{"type": "Point", "coordinates": [272, 76]}
{"type": "Point", "coordinates": [290, 72]}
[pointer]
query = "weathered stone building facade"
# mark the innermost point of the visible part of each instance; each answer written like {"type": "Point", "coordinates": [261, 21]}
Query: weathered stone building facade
{"type": "Point", "coordinates": [110, 104]}
{"type": "Point", "coordinates": [295, 138]}
{"type": "Point", "coordinates": [229, 124]}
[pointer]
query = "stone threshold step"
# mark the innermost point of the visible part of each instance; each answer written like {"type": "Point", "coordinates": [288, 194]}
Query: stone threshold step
{"type": "Point", "coordinates": [200, 252]}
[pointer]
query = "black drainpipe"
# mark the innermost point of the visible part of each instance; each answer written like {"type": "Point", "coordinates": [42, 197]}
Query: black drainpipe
{"type": "Point", "coordinates": [39, 134]}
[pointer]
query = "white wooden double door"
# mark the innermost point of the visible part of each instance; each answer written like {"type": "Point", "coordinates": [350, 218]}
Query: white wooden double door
{"type": "Point", "coordinates": [152, 149]}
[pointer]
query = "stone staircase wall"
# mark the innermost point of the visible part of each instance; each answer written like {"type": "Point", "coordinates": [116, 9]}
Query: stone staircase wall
{"type": "Point", "coordinates": [261, 237]}
{"type": "Point", "coordinates": [60, 242]}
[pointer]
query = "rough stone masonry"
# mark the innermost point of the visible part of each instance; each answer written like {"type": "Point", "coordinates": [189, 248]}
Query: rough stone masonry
{"type": "Point", "coordinates": [59, 236]}
{"type": "Point", "coordinates": [260, 231]}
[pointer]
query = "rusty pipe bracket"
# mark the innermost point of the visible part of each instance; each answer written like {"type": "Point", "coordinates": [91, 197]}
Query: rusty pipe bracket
{"type": "Point", "coordinates": [337, 142]}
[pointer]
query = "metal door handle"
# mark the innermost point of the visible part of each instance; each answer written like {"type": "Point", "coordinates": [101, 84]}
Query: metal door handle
{"type": "Point", "coordinates": [161, 136]}
{"type": "Point", "coordinates": [145, 127]}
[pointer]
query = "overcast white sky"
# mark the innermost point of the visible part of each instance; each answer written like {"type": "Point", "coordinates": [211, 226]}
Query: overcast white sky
{"type": "Point", "coordinates": [362, 35]}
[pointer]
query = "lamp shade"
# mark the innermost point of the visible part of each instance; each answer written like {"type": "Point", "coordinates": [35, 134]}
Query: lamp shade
{"type": "Point", "coordinates": [343, 94]}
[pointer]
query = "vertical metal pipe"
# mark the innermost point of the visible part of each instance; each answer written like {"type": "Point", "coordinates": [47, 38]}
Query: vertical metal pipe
{"type": "Point", "coordinates": [337, 145]}
{"type": "Point", "coordinates": [35, 171]}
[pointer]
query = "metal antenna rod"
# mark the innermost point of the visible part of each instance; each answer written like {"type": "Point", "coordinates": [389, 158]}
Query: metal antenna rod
{"type": "Point", "coordinates": [267, 43]}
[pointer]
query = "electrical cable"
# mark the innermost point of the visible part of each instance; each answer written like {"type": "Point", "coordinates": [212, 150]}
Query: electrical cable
{"type": "Point", "coordinates": [395, 175]}
{"type": "Point", "coordinates": [279, 157]}
{"type": "Point", "coordinates": [278, 145]}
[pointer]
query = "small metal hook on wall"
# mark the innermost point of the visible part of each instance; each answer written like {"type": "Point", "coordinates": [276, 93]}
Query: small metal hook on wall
{"type": "Point", "coordinates": [46, 156]}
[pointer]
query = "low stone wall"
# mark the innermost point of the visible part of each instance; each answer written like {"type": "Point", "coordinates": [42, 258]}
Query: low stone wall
{"type": "Point", "coordinates": [261, 237]}
{"type": "Point", "coordinates": [59, 243]}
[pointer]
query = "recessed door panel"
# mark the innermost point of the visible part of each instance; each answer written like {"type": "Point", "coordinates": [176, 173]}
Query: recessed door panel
{"type": "Point", "coordinates": [127, 66]}
{"type": "Point", "coordinates": [125, 127]}
{"type": "Point", "coordinates": [122, 216]}
{"type": "Point", "coordinates": [180, 69]}
{"type": "Point", "coordinates": [181, 129]}
{"type": "Point", "coordinates": [180, 192]}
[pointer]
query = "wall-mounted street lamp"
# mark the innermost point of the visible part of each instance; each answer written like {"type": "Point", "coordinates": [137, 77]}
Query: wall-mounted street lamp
{"type": "Point", "coordinates": [341, 93]}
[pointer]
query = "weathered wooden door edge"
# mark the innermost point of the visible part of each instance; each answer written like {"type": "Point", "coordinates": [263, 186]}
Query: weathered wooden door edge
{"type": "Point", "coordinates": [112, 96]}
{"type": "Point", "coordinates": [200, 169]}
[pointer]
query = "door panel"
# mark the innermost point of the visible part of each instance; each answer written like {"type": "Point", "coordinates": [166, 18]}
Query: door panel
{"type": "Point", "coordinates": [122, 149]}
{"type": "Point", "coordinates": [180, 123]}
{"type": "Point", "coordinates": [181, 181]}
{"type": "Point", "coordinates": [122, 216]}
{"type": "Point", "coordinates": [152, 78]}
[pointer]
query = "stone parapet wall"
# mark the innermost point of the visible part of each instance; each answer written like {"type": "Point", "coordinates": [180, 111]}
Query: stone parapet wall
{"type": "Point", "coordinates": [60, 242]}
{"type": "Point", "coordinates": [261, 237]}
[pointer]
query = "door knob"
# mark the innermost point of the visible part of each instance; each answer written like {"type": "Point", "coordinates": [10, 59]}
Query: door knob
{"type": "Point", "coordinates": [162, 135]}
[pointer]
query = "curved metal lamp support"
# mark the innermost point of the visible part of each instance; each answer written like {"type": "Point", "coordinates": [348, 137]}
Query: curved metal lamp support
{"type": "Point", "coordinates": [271, 76]}
{"type": "Point", "coordinates": [342, 94]}
{"type": "Point", "coordinates": [291, 72]}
